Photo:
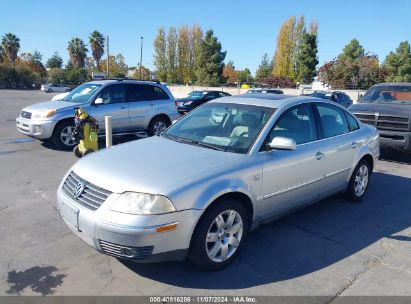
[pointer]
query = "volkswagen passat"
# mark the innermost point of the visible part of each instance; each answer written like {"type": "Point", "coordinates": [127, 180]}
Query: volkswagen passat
{"type": "Point", "coordinates": [200, 187]}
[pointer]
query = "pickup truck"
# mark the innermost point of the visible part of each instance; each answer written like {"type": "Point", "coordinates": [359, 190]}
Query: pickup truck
{"type": "Point", "coordinates": [387, 106]}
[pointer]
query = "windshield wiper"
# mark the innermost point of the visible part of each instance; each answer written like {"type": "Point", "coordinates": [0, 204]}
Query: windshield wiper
{"type": "Point", "coordinates": [192, 142]}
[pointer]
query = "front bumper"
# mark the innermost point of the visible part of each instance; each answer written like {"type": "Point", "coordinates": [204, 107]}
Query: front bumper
{"type": "Point", "coordinates": [115, 233]}
{"type": "Point", "coordinates": [41, 129]}
{"type": "Point", "coordinates": [184, 109]}
{"type": "Point", "coordinates": [395, 139]}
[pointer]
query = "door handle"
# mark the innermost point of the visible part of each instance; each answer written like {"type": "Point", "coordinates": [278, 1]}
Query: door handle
{"type": "Point", "coordinates": [122, 108]}
{"type": "Point", "coordinates": [152, 105]}
{"type": "Point", "coordinates": [319, 155]}
{"type": "Point", "coordinates": [354, 144]}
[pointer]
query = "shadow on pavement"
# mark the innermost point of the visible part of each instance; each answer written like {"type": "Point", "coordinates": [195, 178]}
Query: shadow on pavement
{"type": "Point", "coordinates": [304, 242]}
{"type": "Point", "coordinates": [394, 155]}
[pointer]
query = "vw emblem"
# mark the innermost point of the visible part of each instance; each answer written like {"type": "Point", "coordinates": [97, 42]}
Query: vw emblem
{"type": "Point", "coordinates": [78, 190]}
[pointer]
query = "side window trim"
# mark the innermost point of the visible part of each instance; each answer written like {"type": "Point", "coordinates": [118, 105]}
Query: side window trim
{"type": "Point", "coordinates": [346, 114]}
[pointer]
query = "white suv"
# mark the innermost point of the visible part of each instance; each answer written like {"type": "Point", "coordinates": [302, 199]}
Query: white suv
{"type": "Point", "coordinates": [134, 106]}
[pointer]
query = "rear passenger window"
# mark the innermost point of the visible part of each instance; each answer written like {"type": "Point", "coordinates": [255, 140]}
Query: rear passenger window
{"type": "Point", "coordinates": [333, 120]}
{"type": "Point", "coordinates": [352, 122]}
{"type": "Point", "coordinates": [297, 123]}
{"type": "Point", "coordinates": [135, 92]}
{"type": "Point", "coordinates": [158, 93]}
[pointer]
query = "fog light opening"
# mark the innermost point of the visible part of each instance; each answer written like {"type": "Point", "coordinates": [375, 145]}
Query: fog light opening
{"type": "Point", "coordinates": [129, 252]}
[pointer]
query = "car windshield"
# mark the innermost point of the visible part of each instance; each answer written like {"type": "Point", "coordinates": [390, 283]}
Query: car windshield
{"type": "Point", "coordinates": [197, 94]}
{"type": "Point", "coordinates": [82, 93]}
{"type": "Point", "coordinates": [388, 94]}
{"type": "Point", "coordinates": [225, 127]}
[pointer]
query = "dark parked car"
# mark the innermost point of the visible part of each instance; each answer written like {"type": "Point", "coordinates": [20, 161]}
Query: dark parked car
{"type": "Point", "coordinates": [197, 98]}
{"type": "Point", "coordinates": [388, 107]}
{"type": "Point", "coordinates": [336, 96]}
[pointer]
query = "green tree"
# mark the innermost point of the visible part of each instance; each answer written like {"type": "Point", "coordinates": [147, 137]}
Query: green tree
{"type": "Point", "coordinates": [352, 51]}
{"type": "Point", "coordinates": [76, 76]}
{"type": "Point", "coordinates": [398, 64]}
{"type": "Point", "coordinates": [244, 76]}
{"type": "Point", "coordinates": [196, 36]}
{"type": "Point", "coordinates": [210, 61]}
{"type": "Point", "coordinates": [145, 73]}
{"type": "Point", "coordinates": [56, 75]}
{"type": "Point", "coordinates": [96, 42]}
{"type": "Point", "coordinates": [264, 69]}
{"type": "Point", "coordinates": [11, 45]}
{"type": "Point", "coordinates": [78, 52]}
{"type": "Point", "coordinates": [288, 42]}
{"type": "Point", "coordinates": [183, 51]}
{"type": "Point", "coordinates": [55, 61]}
{"type": "Point", "coordinates": [160, 57]}
{"type": "Point", "coordinates": [117, 66]}
{"type": "Point", "coordinates": [172, 55]}
{"type": "Point", "coordinates": [307, 58]}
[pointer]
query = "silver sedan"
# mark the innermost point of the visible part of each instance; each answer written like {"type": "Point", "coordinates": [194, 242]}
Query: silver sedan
{"type": "Point", "coordinates": [198, 189]}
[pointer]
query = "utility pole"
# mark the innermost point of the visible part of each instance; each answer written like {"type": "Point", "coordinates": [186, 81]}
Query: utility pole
{"type": "Point", "coordinates": [141, 54]}
{"type": "Point", "coordinates": [108, 58]}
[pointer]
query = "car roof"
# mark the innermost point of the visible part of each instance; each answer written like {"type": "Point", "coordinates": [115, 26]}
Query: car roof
{"type": "Point", "coordinates": [407, 84]}
{"type": "Point", "coordinates": [107, 81]}
{"type": "Point", "coordinates": [274, 101]}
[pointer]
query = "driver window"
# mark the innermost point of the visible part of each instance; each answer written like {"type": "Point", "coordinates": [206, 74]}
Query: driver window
{"type": "Point", "coordinates": [297, 123]}
{"type": "Point", "coordinates": [113, 94]}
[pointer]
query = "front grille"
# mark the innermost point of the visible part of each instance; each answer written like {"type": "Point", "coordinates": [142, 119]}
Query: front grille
{"type": "Point", "coordinates": [91, 197]}
{"type": "Point", "coordinates": [25, 114]}
{"type": "Point", "coordinates": [120, 251]}
{"type": "Point", "coordinates": [384, 122]}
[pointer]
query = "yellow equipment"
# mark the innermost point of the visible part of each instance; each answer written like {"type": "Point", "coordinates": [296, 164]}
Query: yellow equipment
{"type": "Point", "coordinates": [85, 133]}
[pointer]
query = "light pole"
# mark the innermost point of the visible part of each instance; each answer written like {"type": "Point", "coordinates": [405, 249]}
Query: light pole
{"type": "Point", "coordinates": [141, 54]}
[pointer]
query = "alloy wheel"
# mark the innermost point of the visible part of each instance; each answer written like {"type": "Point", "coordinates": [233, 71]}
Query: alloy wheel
{"type": "Point", "coordinates": [224, 236]}
{"type": "Point", "coordinates": [361, 180]}
{"type": "Point", "coordinates": [66, 136]}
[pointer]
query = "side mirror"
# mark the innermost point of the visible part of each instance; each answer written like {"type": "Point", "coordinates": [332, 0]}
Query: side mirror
{"type": "Point", "coordinates": [98, 101]}
{"type": "Point", "coordinates": [282, 143]}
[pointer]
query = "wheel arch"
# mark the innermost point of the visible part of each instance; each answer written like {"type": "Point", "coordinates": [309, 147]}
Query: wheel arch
{"type": "Point", "coordinates": [67, 119]}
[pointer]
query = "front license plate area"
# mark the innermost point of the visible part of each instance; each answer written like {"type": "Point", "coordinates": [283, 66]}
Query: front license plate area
{"type": "Point", "coordinates": [70, 215]}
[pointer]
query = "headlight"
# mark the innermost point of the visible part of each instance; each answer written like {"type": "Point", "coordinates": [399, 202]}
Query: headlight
{"type": "Point", "coordinates": [142, 203]}
{"type": "Point", "coordinates": [187, 103]}
{"type": "Point", "coordinates": [44, 114]}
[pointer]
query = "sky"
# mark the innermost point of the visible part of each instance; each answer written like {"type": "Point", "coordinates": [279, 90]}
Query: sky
{"type": "Point", "coordinates": [246, 29]}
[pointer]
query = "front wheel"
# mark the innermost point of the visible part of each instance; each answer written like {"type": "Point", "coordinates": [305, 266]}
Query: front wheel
{"type": "Point", "coordinates": [358, 184]}
{"type": "Point", "coordinates": [157, 126]}
{"type": "Point", "coordinates": [219, 235]}
{"type": "Point", "coordinates": [62, 135]}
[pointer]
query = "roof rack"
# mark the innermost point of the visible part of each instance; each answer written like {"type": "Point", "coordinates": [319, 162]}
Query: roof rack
{"type": "Point", "coordinates": [132, 79]}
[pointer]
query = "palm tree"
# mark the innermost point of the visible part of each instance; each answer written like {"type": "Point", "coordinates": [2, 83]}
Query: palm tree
{"type": "Point", "coordinates": [77, 52]}
{"type": "Point", "coordinates": [96, 42]}
{"type": "Point", "coordinates": [11, 46]}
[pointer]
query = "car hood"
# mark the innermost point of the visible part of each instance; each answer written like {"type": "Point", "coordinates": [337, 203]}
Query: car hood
{"type": "Point", "coordinates": [382, 108]}
{"type": "Point", "coordinates": [48, 105]}
{"type": "Point", "coordinates": [149, 165]}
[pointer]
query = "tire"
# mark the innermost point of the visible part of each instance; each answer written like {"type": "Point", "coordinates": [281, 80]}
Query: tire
{"type": "Point", "coordinates": [62, 135]}
{"type": "Point", "coordinates": [77, 152]}
{"type": "Point", "coordinates": [358, 185]}
{"type": "Point", "coordinates": [209, 242]}
{"type": "Point", "coordinates": [49, 90]}
{"type": "Point", "coordinates": [157, 125]}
